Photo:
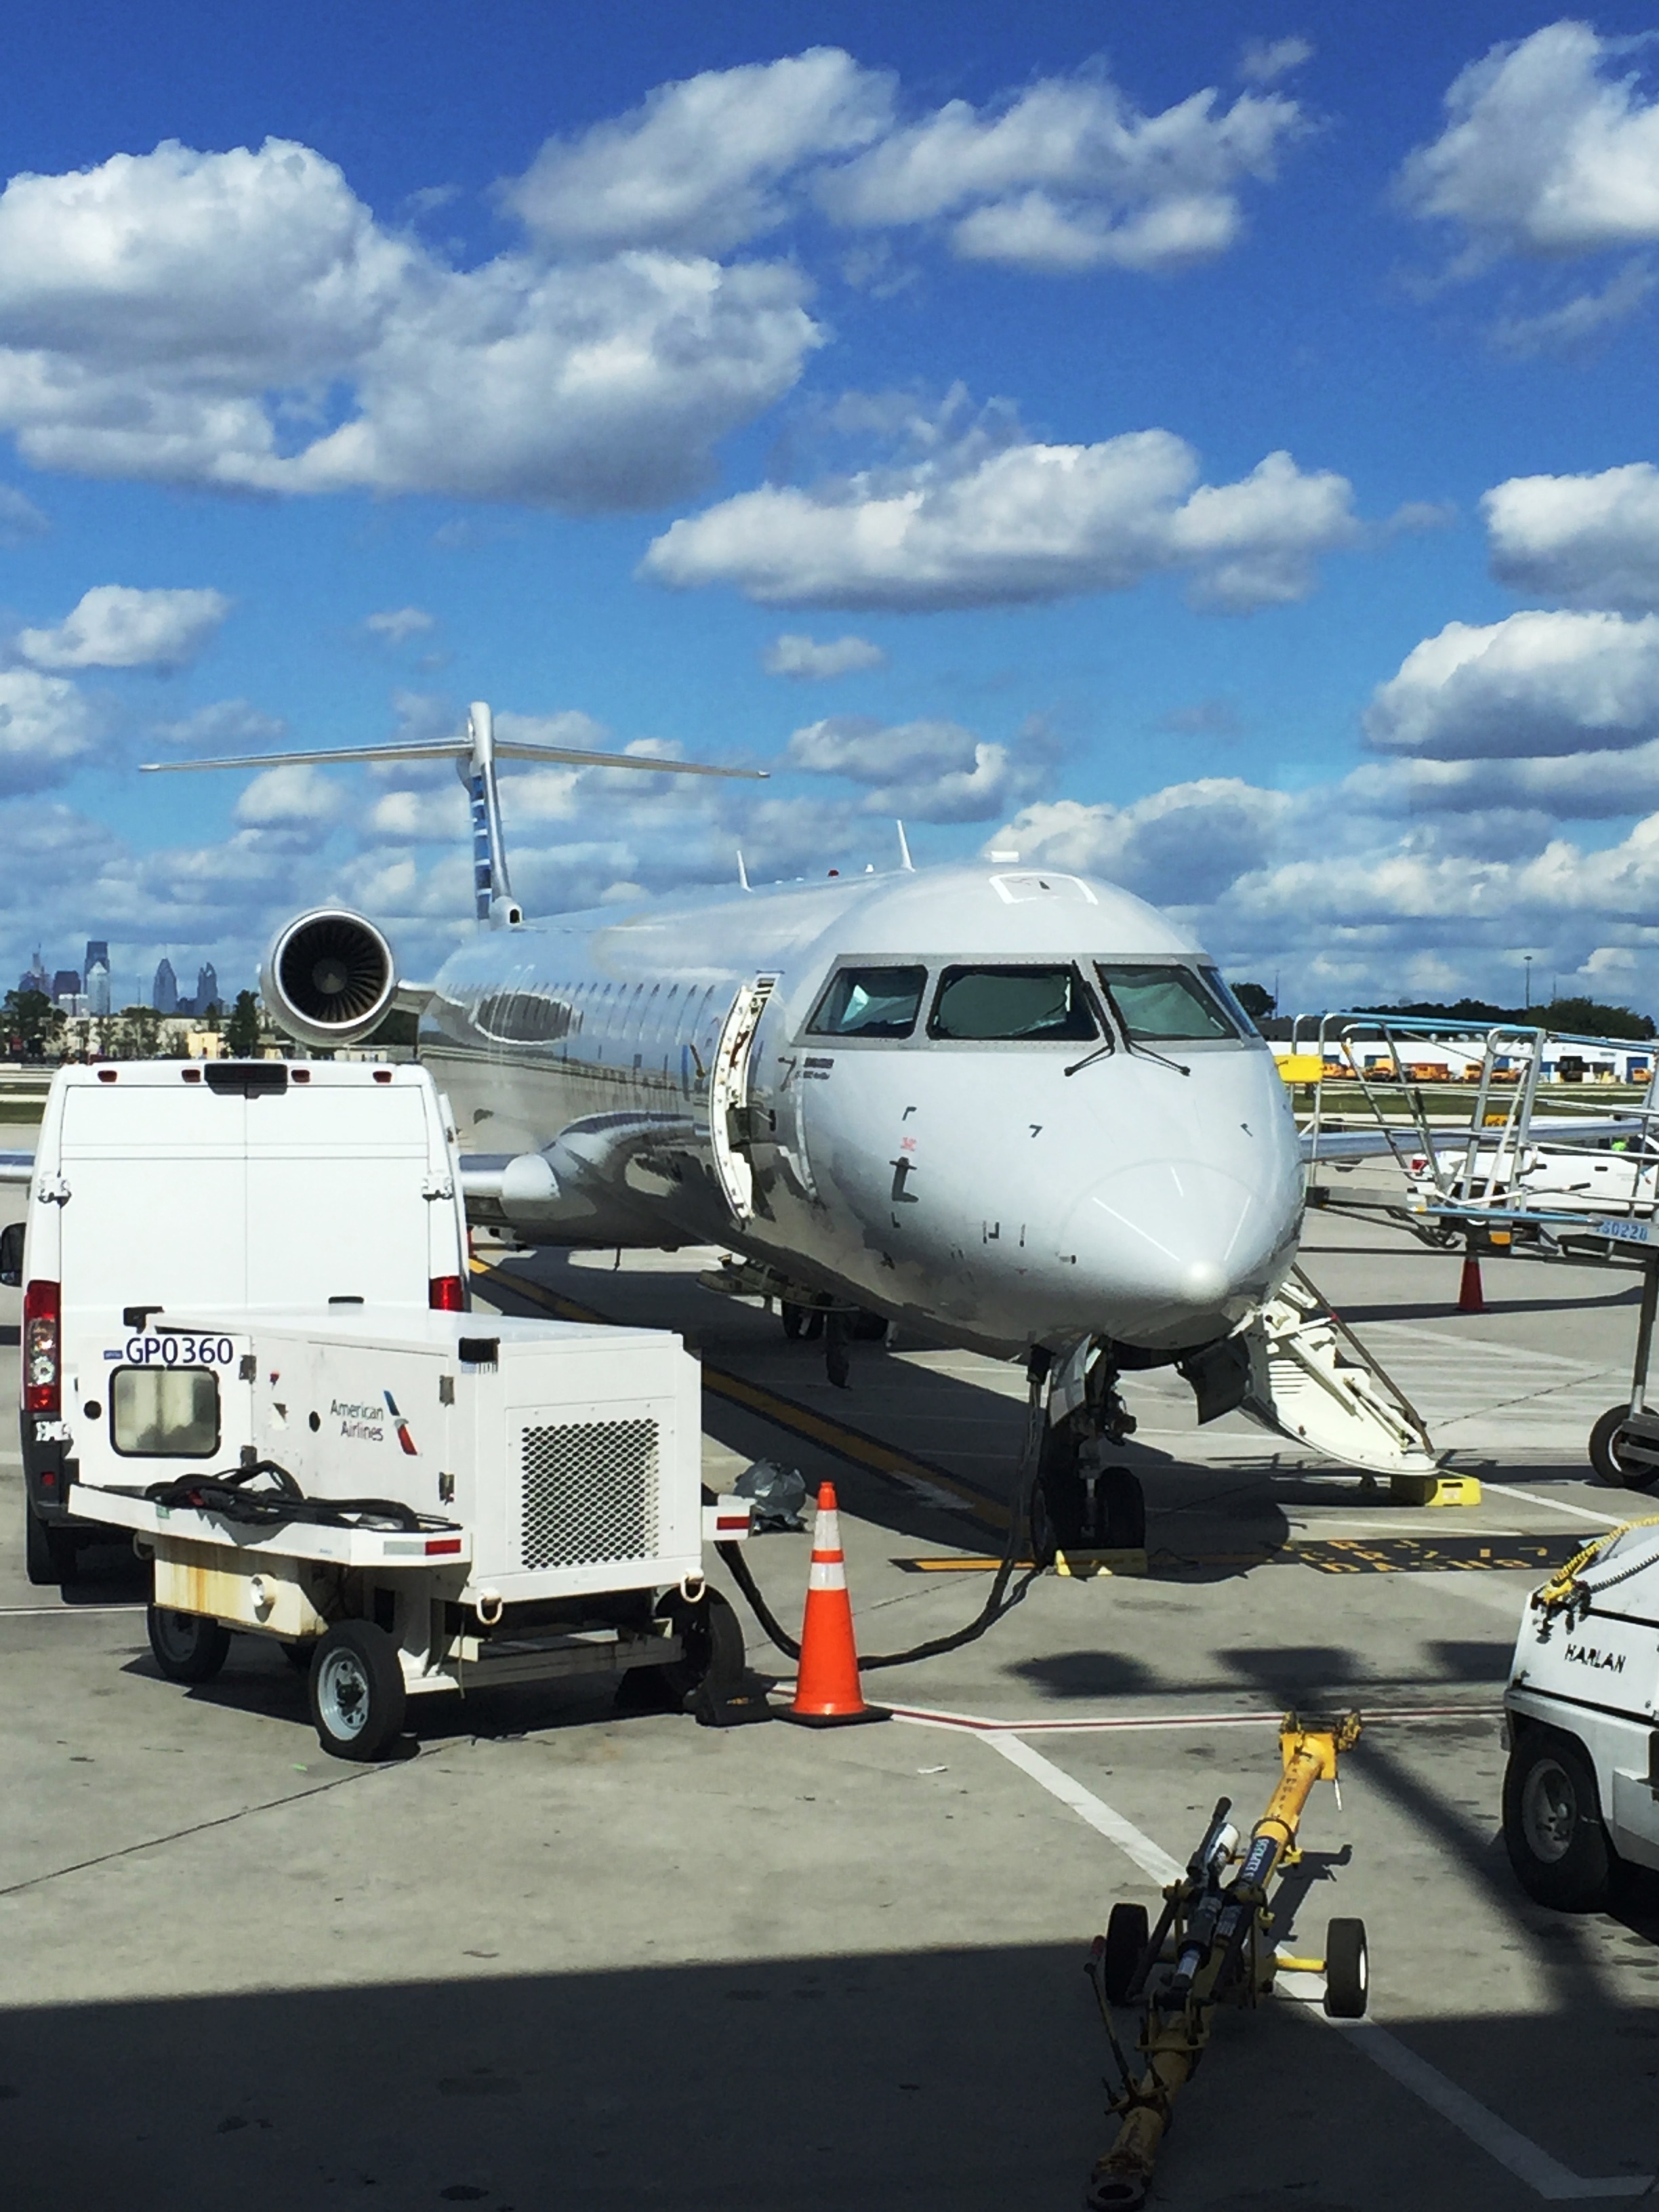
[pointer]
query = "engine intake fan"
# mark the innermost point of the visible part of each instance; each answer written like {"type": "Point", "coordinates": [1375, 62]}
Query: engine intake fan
{"type": "Point", "coordinates": [329, 977]}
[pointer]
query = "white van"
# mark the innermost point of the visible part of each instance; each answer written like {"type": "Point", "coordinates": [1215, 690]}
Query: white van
{"type": "Point", "coordinates": [234, 1186]}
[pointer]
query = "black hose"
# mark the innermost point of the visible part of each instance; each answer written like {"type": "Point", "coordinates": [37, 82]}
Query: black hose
{"type": "Point", "coordinates": [228, 1495]}
{"type": "Point", "coordinates": [989, 1614]}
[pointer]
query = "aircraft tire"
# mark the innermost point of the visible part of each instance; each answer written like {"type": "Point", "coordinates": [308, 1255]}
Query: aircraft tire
{"type": "Point", "coordinates": [1120, 1511]}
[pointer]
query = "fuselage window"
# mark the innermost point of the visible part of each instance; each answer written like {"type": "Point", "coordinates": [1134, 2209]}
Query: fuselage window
{"type": "Point", "coordinates": [872, 1002]}
{"type": "Point", "coordinates": [990, 1005]}
{"type": "Point", "coordinates": [524, 1017]}
{"type": "Point", "coordinates": [1165, 1004]}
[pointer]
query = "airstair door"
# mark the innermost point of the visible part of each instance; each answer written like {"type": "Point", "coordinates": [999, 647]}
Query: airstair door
{"type": "Point", "coordinates": [730, 1106]}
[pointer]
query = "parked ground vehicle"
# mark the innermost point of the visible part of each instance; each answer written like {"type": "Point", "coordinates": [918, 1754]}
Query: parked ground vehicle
{"type": "Point", "coordinates": [1580, 1795]}
{"type": "Point", "coordinates": [241, 1186]}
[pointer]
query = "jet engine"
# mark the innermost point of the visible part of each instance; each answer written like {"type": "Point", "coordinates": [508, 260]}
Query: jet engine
{"type": "Point", "coordinates": [328, 978]}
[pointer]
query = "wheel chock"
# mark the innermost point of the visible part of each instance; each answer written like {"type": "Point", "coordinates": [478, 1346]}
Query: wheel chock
{"type": "Point", "coordinates": [1079, 1563]}
{"type": "Point", "coordinates": [1434, 1490]}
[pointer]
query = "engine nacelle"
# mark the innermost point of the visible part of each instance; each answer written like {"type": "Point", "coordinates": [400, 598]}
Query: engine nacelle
{"type": "Point", "coordinates": [328, 978]}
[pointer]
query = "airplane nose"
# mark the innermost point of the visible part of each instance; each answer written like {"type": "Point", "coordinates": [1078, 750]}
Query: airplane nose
{"type": "Point", "coordinates": [1186, 1246]}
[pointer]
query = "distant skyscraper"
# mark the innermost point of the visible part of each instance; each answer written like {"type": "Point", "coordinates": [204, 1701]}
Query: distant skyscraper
{"type": "Point", "coordinates": [164, 996]}
{"type": "Point", "coordinates": [35, 978]}
{"type": "Point", "coordinates": [66, 989]}
{"type": "Point", "coordinates": [97, 975]}
{"type": "Point", "coordinates": [207, 989]}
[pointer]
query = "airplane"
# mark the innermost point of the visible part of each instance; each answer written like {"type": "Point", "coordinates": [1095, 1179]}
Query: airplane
{"type": "Point", "coordinates": [1011, 1107]}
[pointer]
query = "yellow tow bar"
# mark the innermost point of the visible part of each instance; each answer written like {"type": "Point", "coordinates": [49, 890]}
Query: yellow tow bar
{"type": "Point", "coordinates": [1213, 1944]}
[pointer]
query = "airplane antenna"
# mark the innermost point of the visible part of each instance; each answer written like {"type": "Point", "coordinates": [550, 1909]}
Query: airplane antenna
{"type": "Point", "coordinates": [905, 861]}
{"type": "Point", "coordinates": [742, 873]}
{"type": "Point", "coordinates": [475, 755]}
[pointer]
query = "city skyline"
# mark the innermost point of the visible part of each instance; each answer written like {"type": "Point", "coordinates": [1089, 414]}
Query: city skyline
{"type": "Point", "coordinates": [92, 987]}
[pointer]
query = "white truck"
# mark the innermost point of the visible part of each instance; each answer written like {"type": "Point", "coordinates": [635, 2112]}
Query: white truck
{"type": "Point", "coordinates": [232, 1187]}
{"type": "Point", "coordinates": [1581, 1793]}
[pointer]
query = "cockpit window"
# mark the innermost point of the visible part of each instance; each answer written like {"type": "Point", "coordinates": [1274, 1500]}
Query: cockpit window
{"type": "Point", "coordinates": [872, 1002]}
{"type": "Point", "coordinates": [1163, 1005]}
{"type": "Point", "coordinates": [1007, 1003]}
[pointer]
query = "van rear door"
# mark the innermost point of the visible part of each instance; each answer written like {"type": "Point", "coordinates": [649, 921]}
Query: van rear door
{"type": "Point", "coordinates": [336, 1196]}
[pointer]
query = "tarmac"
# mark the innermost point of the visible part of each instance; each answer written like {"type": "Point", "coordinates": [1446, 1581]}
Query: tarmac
{"type": "Point", "coordinates": [558, 1959]}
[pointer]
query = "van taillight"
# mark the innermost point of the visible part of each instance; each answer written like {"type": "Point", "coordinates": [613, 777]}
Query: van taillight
{"type": "Point", "coordinates": [447, 1294]}
{"type": "Point", "coordinates": [42, 1384]}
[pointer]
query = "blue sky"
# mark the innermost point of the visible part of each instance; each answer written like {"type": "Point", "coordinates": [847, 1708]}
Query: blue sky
{"type": "Point", "coordinates": [1210, 447]}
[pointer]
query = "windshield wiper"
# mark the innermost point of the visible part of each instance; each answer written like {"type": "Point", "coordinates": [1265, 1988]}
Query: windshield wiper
{"type": "Point", "coordinates": [1130, 1044]}
{"type": "Point", "coordinates": [1090, 1058]}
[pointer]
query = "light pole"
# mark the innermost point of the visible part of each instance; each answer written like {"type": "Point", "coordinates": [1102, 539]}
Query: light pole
{"type": "Point", "coordinates": [1527, 957]}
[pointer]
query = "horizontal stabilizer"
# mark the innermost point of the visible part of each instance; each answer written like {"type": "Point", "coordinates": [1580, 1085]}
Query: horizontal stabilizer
{"type": "Point", "coordinates": [459, 749]}
{"type": "Point", "coordinates": [16, 1167]}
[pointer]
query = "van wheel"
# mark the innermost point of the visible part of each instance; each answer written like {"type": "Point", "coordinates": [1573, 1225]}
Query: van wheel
{"type": "Point", "coordinates": [357, 1694]}
{"type": "Point", "coordinates": [188, 1646]}
{"type": "Point", "coordinates": [1610, 1465]}
{"type": "Point", "coordinates": [1552, 1827]}
{"type": "Point", "coordinates": [51, 1552]}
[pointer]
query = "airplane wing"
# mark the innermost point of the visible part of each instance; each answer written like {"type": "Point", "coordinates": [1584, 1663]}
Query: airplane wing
{"type": "Point", "coordinates": [1377, 1143]}
{"type": "Point", "coordinates": [16, 1167]}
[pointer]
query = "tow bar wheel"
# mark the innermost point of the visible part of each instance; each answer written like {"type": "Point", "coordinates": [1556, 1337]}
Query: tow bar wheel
{"type": "Point", "coordinates": [1348, 1970]}
{"type": "Point", "coordinates": [357, 1694]}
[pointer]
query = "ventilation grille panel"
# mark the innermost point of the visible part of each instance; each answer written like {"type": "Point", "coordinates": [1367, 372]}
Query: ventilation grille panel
{"type": "Point", "coordinates": [590, 1494]}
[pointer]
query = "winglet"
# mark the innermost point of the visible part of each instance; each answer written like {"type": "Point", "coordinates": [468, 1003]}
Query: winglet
{"type": "Point", "coordinates": [742, 873]}
{"type": "Point", "coordinates": [905, 861]}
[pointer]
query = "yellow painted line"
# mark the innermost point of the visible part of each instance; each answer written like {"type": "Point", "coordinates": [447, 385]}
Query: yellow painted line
{"type": "Point", "coordinates": [848, 1444]}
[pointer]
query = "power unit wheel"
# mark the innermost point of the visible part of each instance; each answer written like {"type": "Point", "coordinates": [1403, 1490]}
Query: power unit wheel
{"type": "Point", "coordinates": [1552, 1827]}
{"type": "Point", "coordinates": [794, 1320]}
{"type": "Point", "coordinates": [357, 1694]}
{"type": "Point", "coordinates": [1127, 1933]}
{"type": "Point", "coordinates": [188, 1646]}
{"type": "Point", "coordinates": [51, 1552]}
{"type": "Point", "coordinates": [1347, 1973]}
{"type": "Point", "coordinates": [1610, 1465]}
{"type": "Point", "coordinates": [1120, 1511]}
{"type": "Point", "coordinates": [868, 1328]}
{"type": "Point", "coordinates": [711, 1638]}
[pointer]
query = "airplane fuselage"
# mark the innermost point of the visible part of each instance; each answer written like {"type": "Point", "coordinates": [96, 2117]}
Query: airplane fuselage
{"type": "Point", "coordinates": [1016, 1106]}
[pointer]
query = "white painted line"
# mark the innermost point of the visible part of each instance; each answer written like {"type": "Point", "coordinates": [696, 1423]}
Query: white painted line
{"type": "Point", "coordinates": [1104, 1723]}
{"type": "Point", "coordinates": [1555, 1504]}
{"type": "Point", "coordinates": [62, 1612]}
{"type": "Point", "coordinates": [1099, 1815]}
{"type": "Point", "coordinates": [1545, 2176]}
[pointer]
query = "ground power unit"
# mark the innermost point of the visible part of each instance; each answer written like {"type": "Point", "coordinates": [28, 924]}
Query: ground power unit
{"type": "Point", "coordinates": [412, 1502]}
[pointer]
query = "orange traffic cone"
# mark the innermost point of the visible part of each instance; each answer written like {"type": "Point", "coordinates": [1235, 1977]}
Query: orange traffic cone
{"type": "Point", "coordinates": [1470, 1298]}
{"type": "Point", "coordinates": [827, 1691]}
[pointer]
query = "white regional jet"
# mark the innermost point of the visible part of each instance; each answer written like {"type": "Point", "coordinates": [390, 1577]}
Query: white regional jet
{"type": "Point", "coordinates": [1015, 1108]}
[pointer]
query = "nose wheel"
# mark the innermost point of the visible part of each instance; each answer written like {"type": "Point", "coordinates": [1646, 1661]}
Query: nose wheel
{"type": "Point", "coordinates": [1074, 1508]}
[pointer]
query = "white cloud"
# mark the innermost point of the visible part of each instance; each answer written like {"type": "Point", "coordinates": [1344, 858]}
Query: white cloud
{"type": "Point", "coordinates": [1179, 847]}
{"type": "Point", "coordinates": [48, 728]}
{"type": "Point", "coordinates": [1538, 682]}
{"type": "Point", "coordinates": [1590, 541]}
{"type": "Point", "coordinates": [1265, 59]}
{"type": "Point", "coordinates": [21, 520]}
{"type": "Point", "coordinates": [233, 723]}
{"type": "Point", "coordinates": [1550, 149]}
{"type": "Point", "coordinates": [934, 771]}
{"type": "Point", "coordinates": [1070, 174]}
{"type": "Point", "coordinates": [397, 625]}
{"type": "Point", "coordinates": [241, 321]}
{"type": "Point", "coordinates": [1578, 321]}
{"type": "Point", "coordinates": [697, 166]}
{"type": "Point", "coordinates": [1029, 522]}
{"type": "Point", "coordinates": [115, 626]}
{"type": "Point", "coordinates": [807, 660]}
{"type": "Point", "coordinates": [295, 798]}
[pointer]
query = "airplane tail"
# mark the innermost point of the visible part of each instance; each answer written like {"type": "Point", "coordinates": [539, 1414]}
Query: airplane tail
{"type": "Point", "coordinates": [475, 755]}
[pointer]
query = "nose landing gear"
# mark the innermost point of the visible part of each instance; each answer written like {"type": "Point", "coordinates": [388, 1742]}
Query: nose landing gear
{"type": "Point", "coordinates": [1079, 1502]}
